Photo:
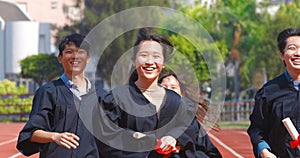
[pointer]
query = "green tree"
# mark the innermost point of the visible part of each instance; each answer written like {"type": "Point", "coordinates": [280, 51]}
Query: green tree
{"type": "Point", "coordinates": [41, 68]}
{"type": "Point", "coordinates": [240, 32]}
{"type": "Point", "coordinates": [96, 11]}
{"type": "Point", "coordinates": [246, 35]}
{"type": "Point", "coordinates": [229, 22]}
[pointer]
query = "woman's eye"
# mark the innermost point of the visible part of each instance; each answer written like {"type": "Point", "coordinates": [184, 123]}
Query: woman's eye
{"type": "Point", "coordinates": [81, 52]}
{"type": "Point", "coordinates": [292, 48]}
{"type": "Point", "coordinates": [164, 86]}
{"type": "Point", "coordinates": [143, 55]}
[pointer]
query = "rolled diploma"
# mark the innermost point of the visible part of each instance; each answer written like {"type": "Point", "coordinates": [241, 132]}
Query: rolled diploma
{"type": "Point", "coordinates": [291, 129]}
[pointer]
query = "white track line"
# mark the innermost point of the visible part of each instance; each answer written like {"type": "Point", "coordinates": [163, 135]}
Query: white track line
{"type": "Point", "coordinates": [225, 146]}
{"type": "Point", "coordinates": [15, 155]}
{"type": "Point", "coordinates": [8, 141]}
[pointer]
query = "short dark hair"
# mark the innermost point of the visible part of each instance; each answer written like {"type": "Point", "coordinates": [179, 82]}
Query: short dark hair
{"type": "Point", "coordinates": [146, 34]}
{"type": "Point", "coordinates": [284, 35]}
{"type": "Point", "coordinates": [77, 39]}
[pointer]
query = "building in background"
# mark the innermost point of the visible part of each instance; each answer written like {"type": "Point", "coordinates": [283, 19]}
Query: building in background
{"type": "Point", "coordinates": [28, 27]}
{"type": "Point", "coordinates": [57, 13]}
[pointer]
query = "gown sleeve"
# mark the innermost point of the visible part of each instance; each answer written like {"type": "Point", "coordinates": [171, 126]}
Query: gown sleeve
{"type": "Point", "coordinates": [40, 118]}
{"type": "Point", "coordinates": [108, 130]}
{"type": "Point", "coordinates": [195, 141]}
{"type": "Point", "coordinates": [258, 122]}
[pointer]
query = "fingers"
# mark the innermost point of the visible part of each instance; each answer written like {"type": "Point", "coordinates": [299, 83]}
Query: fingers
{"type": "Point", "coordinates": [267, 154]}
{"type": "Point", "coordinates": [138, 135]}
{"type": "Point", "coordinates": [68, 140]}
{"type": "Point", "coordinates": [168, 143]}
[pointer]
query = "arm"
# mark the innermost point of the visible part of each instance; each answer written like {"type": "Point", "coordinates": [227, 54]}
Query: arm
{"type": "Point", "coordinates": [181, 129]}
{"type": "Point", "coordinates": [203, 144]}
{"type": "Point", "coordinates": [259, 125]}
{"type": "Point", "coordinates": [65, 139]}
{"type": "Point", "coordinates": [39, 119]}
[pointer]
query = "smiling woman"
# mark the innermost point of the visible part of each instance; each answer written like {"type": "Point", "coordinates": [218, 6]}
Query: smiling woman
{"type": "Point", "coordinates": [150, 116]}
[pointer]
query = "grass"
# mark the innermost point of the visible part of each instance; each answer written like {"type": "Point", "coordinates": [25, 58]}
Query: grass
{"type": "Point", "coordinates": [234, 125]}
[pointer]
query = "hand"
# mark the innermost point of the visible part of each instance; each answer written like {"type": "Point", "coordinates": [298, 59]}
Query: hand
{"type": "Point", "coordinates": [168, 143]}
{"type": "Point", "coordinates": [265, 153]}
{"type": "Point", "coordinates": [138, 135]}
{"type": "Point", "coordinates": [66, 139]}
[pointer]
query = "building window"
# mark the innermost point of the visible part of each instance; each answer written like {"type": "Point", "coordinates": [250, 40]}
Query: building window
{"type": "Point", "coordinates": [53, 4]}
{"type": "Point", "coordinates": [74, 13]}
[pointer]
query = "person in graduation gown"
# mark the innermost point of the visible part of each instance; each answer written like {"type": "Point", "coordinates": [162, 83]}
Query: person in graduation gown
{"type": "Point", "coordinates": [169, 80]}
{"type": "Point", "coordinates": [54, 128]}
{"type": "Point", "coordinates": [277, 100]}
{"type": "Point", "coordinates": [147, 119]}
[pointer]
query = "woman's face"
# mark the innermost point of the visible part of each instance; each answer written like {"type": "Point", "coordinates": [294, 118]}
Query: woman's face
{"type": "Point", "coordinates": [291, 55]}
{"type": "Point", "coordinates": [149, 60]}
{"type": "Point", "coordinates": [172, 83]}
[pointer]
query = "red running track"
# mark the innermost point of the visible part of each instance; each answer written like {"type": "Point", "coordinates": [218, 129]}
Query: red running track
{"type": "Point", "coordinates": [231, 143]}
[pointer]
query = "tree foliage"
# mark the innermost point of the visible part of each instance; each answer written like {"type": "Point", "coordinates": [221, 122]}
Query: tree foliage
{"type": "Point", "coordinates": [96, 11]}
{"type": "Point", "coordinates": [244, 34]}
{"type": "Point", "coordinates": [240, 32]}
{"type": "Point", "coordinates": [41, 68]}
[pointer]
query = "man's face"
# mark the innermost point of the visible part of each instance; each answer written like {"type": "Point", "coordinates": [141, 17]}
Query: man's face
{"type": "Point", "coordinates": [73, 59]}
{"type": "Point", "coordinates": [291, 55]}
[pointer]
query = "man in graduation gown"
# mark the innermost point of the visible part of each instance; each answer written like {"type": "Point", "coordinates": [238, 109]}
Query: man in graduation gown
{"type": "Point", "coordinates": [277, 100]}
{"type": "Point", "coordinates": [55, 128]}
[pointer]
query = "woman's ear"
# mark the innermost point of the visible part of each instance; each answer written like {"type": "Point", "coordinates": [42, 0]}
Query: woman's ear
{"type": "Point", "coordinates": [133, 64]}
{"type": "Point", "coordinates": [281, 55]}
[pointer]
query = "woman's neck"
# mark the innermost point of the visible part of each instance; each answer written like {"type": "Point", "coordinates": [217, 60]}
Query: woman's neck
{"type": "Point", "coordinates": [146, 85]}
{"type": "Point", "coordinates": [152, 91]}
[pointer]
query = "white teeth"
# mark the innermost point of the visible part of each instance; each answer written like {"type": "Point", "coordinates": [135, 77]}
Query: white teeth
{"type": "Point", "coordinates": [149, 69]}
{"type": "Point", "coordinates": [75, 62]}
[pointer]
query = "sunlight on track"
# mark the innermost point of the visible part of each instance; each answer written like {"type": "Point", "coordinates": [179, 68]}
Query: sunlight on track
{"type": "Point", "coordinates": [8, 141]}
{"type": "Point", "coordinates": [225, 146]}
{"type": "Point", "coordinates": [15, 155]}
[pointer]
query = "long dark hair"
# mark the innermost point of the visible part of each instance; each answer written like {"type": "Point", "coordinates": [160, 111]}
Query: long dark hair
{"type": "Point", "coordinates": [202, 105]}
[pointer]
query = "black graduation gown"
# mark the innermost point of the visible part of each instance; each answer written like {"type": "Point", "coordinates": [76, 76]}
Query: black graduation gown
{"type": "Point", "coordinates": [275, 101]}
{"type": "Point", "coordinates": [55, 109]}
{"type": "Point", "coordinates": [185, 129]}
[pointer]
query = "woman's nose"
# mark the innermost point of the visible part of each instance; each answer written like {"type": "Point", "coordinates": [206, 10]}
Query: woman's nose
{"type": "Point", "coordinates": [297, 52]}
{"type": "Point", "coordinates": [149, 60]}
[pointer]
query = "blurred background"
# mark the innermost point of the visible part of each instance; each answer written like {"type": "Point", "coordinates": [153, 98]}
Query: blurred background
{"type": "Point", "coordinates": [244, 31]}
